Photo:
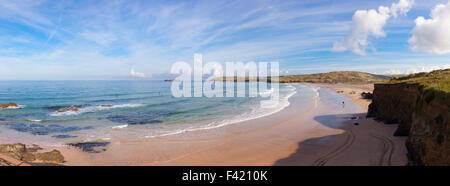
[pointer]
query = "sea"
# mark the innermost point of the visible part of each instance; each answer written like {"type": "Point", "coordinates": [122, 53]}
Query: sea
{"type": "Point", "coordinates": [128, 109]}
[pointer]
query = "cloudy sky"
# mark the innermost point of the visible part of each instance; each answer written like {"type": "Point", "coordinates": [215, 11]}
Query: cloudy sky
{"type": "Point", "coordinates": [116, 39]}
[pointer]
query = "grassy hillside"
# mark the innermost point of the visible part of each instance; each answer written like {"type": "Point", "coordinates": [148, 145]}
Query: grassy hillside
{"type": "Point", "coordinates": [435, 84]}
{"type": "Point", "coordinates": [439, 80]}
{"type": "Point", "coordinates": [349, 77]}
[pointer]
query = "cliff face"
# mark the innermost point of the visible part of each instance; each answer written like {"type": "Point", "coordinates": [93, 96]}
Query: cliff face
{"type": "Point", "coordinates": [423, 115]}
{"type": "Point", "coordinates": [394, 103]}
{"type": "Point", "coordinates": [429, 139]}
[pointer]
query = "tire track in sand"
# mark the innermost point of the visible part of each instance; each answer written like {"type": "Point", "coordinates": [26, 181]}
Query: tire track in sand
{"type": "Point", "coordinates": [388, 149]}
{"type": "Point", "coordinates": [348, 142]}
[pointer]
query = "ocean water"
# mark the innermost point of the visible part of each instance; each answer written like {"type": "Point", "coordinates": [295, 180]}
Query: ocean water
{"type": "Point", "coordinates": [136, 110]}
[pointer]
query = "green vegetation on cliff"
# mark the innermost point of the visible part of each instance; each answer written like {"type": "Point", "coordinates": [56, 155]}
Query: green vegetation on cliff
{"type": "Point", "coordinates": [435, 84]}
{"type": "Point", "coordinates": [438, 79]}
{"type": "Point", "coordinates": [420, 104]}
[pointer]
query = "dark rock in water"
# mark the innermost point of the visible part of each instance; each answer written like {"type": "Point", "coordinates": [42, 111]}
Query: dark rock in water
{"type": "Point", "coordinates": [132, 120]}
{"type": "Point", "coordinates": [91, 147]}
{"type": "Point", "coordinates": [64, 136]}
{"type": "Point", "coordinates": [67, 109]}
{"type": "Point", "coordinates": [355, 123]}
{"type": "Point", "coordinates": [38, 129]}
{"type": "Point", "coordinates": [140, 118]}
{"type": "Point", "coordinates": [53, 108]}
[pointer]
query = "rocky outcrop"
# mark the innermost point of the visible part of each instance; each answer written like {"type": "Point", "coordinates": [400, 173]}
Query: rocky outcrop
{"type": "Point", "coordinates": [74, 109]}
{"type": "Point", "coordinates": [423, 115]}
{"type": "Point", "coordinates": [17, 151]}
{"type": "Point", "coordinates": [429, 139]}
{"type": "Point", "coordinates": [367, 95]}
{"type": "Point", "coordinates": [21, 152]}
{"type": "Point", "coordinates": [52, 156]}
{"type": "Point", "coordinates": [9, 105]}
{"type": "Point", "coordinates": [395, 103]}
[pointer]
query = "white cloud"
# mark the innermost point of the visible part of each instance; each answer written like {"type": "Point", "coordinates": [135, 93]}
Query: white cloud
{"type": "Point", "coordinates": [370, 23]}
{"type": "Point", "coordinates": [402, 7]}
{"type": "Point", "coordinates": [433, 35]}
{"type": "Point", "coordinates": [137, 74]}
{"type": "Point", "coordinates": [54, 54]}
{"type": "Point", "coordinates": [102, 38]}
{"type": "Point", "coordinates": [25, 13]}
{"type": "Point", "coordinates": [417, 69]}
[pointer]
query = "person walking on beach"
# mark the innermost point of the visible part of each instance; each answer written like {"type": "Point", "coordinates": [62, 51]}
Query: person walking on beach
{"type": "Point", "coordinates": [343, 104]}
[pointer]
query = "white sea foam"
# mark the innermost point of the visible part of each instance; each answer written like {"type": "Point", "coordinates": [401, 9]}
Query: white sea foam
{"type": "Point", "coordinates": [120, 126]}
{"type": "Point", "coordinates": [256, 113]}
{"type": "Point", "coordinates": [317, 96]}
{"type": "Point", "coordinates": [93, 109]}
{"type": "Point", "coordinates": [266, 93]}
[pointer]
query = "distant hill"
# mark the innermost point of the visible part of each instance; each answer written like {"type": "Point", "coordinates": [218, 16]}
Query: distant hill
{"type": "Point", "coordinates": [350, 77]}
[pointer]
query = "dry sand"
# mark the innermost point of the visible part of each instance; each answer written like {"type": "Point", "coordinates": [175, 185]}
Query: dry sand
{"type": "Point", "coordinates": [351, 91]}
{"type": "Point", "coordinates": [324, 135]}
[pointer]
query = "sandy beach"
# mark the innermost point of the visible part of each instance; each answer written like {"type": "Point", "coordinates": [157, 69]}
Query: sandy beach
{"type": "Point", "coordinates": [328, 133]}
{"type": "Point", "coordinates": [351, 91]}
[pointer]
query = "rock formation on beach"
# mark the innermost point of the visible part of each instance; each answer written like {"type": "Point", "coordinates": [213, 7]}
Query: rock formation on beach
{"type": "Point", "coordinates": [367, 95]}
{"type": "Point", "coordinates": [30, 155]}
{"type": "Point", "coordinates": [8, 105]}
{"type": "Point", "coordinates": [420, 104]}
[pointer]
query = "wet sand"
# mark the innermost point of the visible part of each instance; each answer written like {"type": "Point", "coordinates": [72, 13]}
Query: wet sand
{"type": "Point", "coordinates": [328, 133]}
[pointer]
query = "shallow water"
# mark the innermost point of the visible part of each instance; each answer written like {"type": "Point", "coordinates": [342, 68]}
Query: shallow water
{"type": "Point", "coordinates": [136, 109]}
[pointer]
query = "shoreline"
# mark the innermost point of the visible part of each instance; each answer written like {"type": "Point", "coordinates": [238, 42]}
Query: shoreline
{"type": "Point", "coordinates": [347, 89]}
{"type": "Point", "coordinates": [288, 137]}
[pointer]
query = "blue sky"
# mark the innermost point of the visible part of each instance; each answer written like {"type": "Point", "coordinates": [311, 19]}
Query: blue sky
{"type": "Point", "coordinates": [88, 39]}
